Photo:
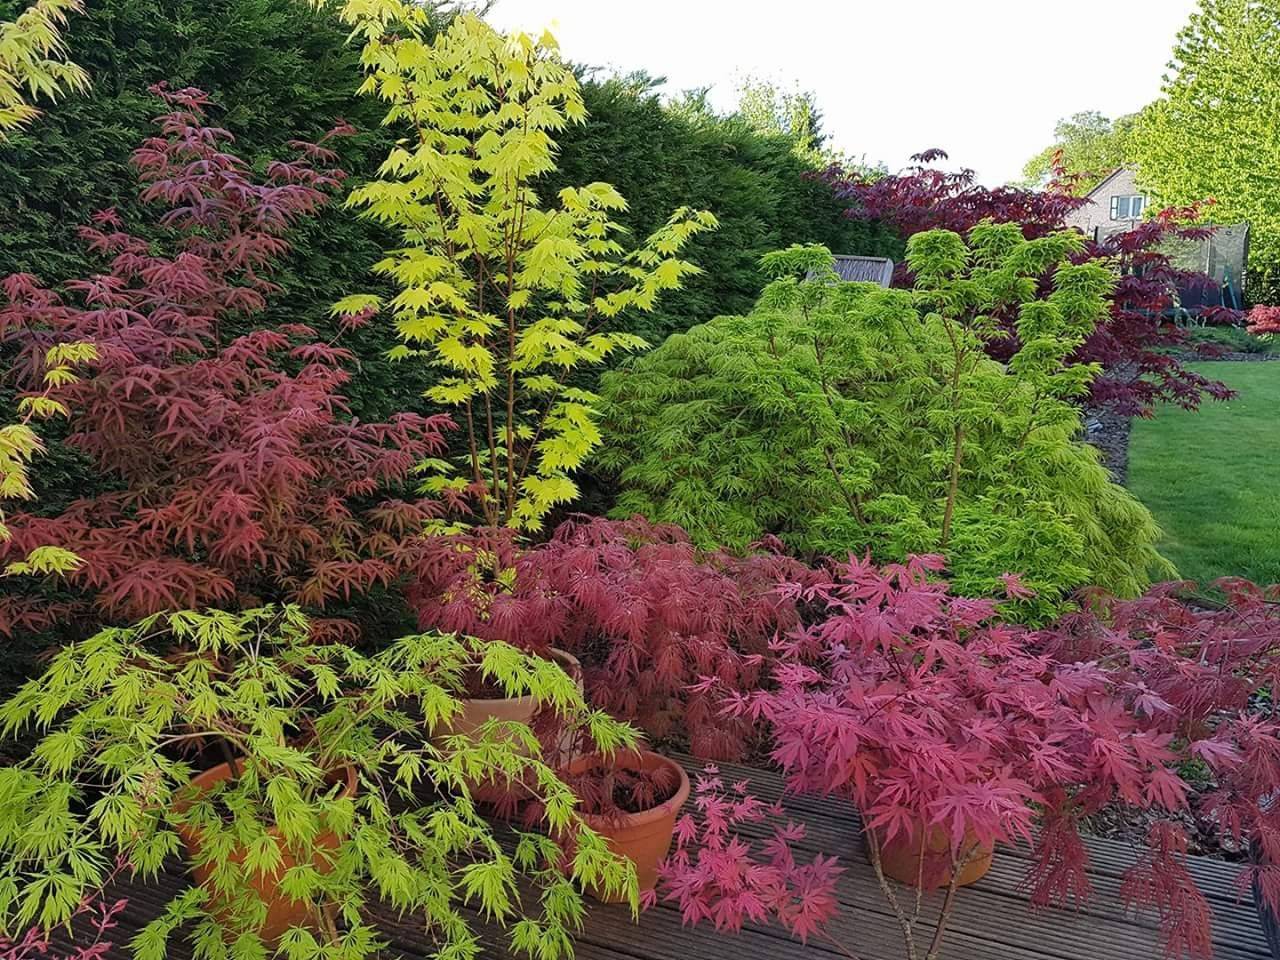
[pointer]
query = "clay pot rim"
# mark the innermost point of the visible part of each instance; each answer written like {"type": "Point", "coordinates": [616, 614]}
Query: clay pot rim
{"type": "Point", "coordinates": [637, 758]}
{"type": "Point", "coordinates": [528, 700]}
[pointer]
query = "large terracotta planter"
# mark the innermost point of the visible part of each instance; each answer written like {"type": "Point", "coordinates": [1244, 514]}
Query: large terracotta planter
{"type": "Point", "coordinates": [477, 712]}
{"type": "Point", "coordinates": [643, 838]}
{"type": "Point", "coordinates": [900, 859]}
{"type": "Point", "coordinates": [282, 912]}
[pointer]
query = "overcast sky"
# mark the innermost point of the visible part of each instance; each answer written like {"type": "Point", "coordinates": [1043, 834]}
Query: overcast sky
{"type": "Point", "coordinates": [983, 79]}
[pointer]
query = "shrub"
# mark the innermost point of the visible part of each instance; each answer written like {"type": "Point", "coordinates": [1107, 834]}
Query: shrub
{"type": "Point", "coordinates": [1132, 345]}
{"type": "Point", "coordinates": [843, 417]}
{"type": "Point", "coordinates": [938, 720]}
{"type": "Point", "coordinates": [1264, 319]}
{"type": "Point", "coordinates": [33, 61]}
{"type": "Point", "coordinates": [236, 477]}
{"type": "Point", "coordinates": [500, 294]}
{"type": "Point", "coordinates": [651, 618]}
{"type": "Point", "coordinates": [127, 728]}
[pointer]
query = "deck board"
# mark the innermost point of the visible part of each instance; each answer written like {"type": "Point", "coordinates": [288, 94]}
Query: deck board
{"type": "Point", "coordinates": [992, 920]}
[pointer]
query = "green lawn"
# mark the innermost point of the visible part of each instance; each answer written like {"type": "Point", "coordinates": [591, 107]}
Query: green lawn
{"type": "Point", "coordinates": [1212, 478]}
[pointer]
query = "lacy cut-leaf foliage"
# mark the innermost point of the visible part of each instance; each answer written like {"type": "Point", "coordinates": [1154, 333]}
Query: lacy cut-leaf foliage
{"type": "Point", "coordinates": [844, 417]}
{"type": "Point", "coordinates": [653, 620]}
{"type": "Point", "coordinates": [124, 728]}
{"type": "Point", "coordinates": [503, 295]}
{"type": "Point", "coordinates": [237, 476]}
{"type": "Point", "coordinates": [928, 712]}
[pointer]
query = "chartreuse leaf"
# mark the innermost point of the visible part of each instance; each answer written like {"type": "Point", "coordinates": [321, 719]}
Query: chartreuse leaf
{"type": "Point", "coordinates": [501, 294]}
{"type": "Point", "coordinates": [299, 717]}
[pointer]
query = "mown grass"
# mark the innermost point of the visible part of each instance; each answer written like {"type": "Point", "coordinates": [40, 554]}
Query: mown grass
{"type": "Point", "coordinates": [1212, 477]}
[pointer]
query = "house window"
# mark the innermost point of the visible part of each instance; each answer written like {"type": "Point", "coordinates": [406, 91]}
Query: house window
{"type": "Point", "coordinates": [1127, 208]}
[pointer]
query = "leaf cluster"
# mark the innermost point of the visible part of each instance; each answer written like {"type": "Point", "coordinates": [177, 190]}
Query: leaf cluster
{"type": "Point", "coordinates": [124, 725]}
{"type": "Point", "coordinates": [936, 717]}
{"type": "Point", "coordinates": [234, 474]}
{"type": "Point", "coordinates": [497, 292]}
{"type": "Point", "coordinates": [844, 417]}
{"type": "Point", "coordinates": [660, 627]}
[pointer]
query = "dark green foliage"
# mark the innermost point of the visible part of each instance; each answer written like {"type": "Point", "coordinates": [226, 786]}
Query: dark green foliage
{"type": "Point", "coordinates": [660, 157]}
{"type": "Point", "coordinates": [1233, 340]}
{"type": "Point", "coordinates": [844, 417]}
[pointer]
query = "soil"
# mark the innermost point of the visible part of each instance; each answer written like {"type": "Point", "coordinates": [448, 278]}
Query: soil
{"type": "Point", "coordinates": [1109, 432]}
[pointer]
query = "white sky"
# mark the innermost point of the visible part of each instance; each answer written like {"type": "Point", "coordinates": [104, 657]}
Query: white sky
{"type": "Point", "coordinates": [984, 80]}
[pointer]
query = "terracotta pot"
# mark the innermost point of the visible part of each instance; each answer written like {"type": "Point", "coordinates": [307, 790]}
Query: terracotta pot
{"type": "Point", "coordinates": [475, 713]}
{"type": "Point", "coordinates": [643, 838]}
{"type": "Point", "coordinates": [282, 912]}
{"type": "Point", "coordinates": [900, 859]}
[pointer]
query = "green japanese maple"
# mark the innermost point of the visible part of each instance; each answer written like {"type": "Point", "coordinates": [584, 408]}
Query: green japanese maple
{"type": "Point", "coordinates": [127, 718]}
{"type": "Point", "coordinates": [504, 295]}
{"type": "Point", "coordinates": [33, 61]}
{"type": "Point", "coordinates": [845, 417]}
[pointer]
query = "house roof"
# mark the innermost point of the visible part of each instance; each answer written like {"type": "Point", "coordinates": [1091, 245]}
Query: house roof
{"type": "Point", "coordinates": [1107, 179]}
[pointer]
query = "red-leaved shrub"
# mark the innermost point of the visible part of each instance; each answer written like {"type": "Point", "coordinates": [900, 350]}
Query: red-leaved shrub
{"type": "Point", "coordinates": [1264, 319]}
{"type": "Point", "coordinates": [237, 477]}
{"type": "Point", "coordinates": [935, 719]}
{"type": "Point", "coordinates": [655, 623]}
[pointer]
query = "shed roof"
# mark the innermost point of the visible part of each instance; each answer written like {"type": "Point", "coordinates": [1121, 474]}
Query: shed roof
{"type": "Point", "coordinates": [867, 269]}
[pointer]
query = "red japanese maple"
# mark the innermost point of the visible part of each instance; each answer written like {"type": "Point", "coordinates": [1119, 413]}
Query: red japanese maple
{"type": "Point", "coordinates": [237, 476]}
{"type": "Point", "coordinates": [653, 621]}
{"type": "Point", "coordinates": [1132, 347]}
{"type": "Point", "coordinates": [1263, 320]}
{"type": "Point", "coordinates": [935, 719]}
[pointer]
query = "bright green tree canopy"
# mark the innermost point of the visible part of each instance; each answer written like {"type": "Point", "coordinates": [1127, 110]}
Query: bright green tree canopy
{"type": "Point", "coordinates": [1216, 131]}
{"type": "Point", "coordinates": [1087, 144]}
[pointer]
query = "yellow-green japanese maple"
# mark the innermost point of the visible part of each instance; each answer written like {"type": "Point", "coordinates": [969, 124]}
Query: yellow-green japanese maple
{"type": "Point", "coordinates": [33, 62]}
{"type": "Point", "coordinates": [506, 295]}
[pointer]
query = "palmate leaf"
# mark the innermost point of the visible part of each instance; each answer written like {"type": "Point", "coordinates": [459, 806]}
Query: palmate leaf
{"type": "Point", "coordinates": [496, 289]}
{"type": "Point", "coordinates": [114, 707]}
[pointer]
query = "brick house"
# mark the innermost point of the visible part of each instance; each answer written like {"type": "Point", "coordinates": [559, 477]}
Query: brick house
{"type": "Point", "coordinates": [1117, 203]}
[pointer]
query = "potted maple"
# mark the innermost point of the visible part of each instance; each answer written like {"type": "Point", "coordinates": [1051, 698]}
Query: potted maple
{"type": "Point", "coordinates": [952, 732]}
{"type": "Point", "coordinates": [632, 798]}
{"type": "Point", "coordinates": [649, 615]}
{"type": "Point", "coordinates": [333, 797]}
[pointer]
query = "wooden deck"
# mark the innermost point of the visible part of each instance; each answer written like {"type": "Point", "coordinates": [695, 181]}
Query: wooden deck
{"type": "Point", "coordinates": [991, 920]}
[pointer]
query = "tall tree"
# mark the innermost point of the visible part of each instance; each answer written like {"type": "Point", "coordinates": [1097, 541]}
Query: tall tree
{"type": "Point", "coordinates": [1213, 133]}
{"type": "Point", "coordinates": [1087, 145]}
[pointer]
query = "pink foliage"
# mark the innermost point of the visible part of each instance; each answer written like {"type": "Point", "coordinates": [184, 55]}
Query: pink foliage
{"type": "Point", "coordinates": [656, 624]}
{"type": "Point", "coordinates": [718, 873]}
{"type": "Point", "coordinates": [93, 921]}
{"type": "Point", "coordinates": [239, 478]}
{"type": "Point", "coordinates": [926, 711]}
